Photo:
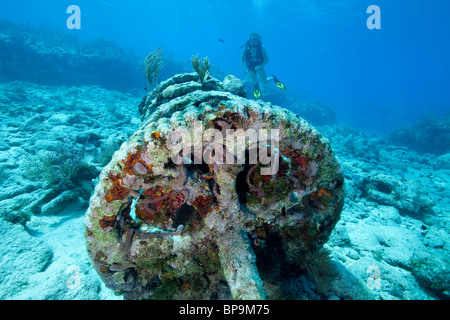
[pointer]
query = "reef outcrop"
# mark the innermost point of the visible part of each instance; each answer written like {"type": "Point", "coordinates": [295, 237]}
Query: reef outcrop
{"type": "Point", "coordinates": [429, 135]}
{"type": "Point", "coordinates": [213, 197]}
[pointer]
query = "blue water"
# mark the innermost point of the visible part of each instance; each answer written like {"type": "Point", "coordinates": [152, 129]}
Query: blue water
{"type": "Point", "coordinates": [321, 49]}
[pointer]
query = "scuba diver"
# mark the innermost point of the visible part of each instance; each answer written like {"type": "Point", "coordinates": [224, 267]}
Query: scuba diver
{"type": "Point", "coordinates": [255, 57]}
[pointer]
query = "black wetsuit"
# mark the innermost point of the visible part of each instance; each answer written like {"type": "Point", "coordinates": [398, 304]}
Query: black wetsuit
{"type": "Point", "coordinates": [258, 59]}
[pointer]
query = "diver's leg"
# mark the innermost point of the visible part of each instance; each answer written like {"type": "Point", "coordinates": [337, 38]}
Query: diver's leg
{"type": "Point", "coordinates": [256, 89]}
{"type": "Point", "coordinates": [252, 74]}
{"type": "Point", "coordinates": [262, 75]}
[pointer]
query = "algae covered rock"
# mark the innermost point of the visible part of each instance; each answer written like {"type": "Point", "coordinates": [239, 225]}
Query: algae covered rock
{"type": "Point", "coordinates": [23, 256]}
{"type": "Point", "coordinates": [428, 135]}
{"type": "Point", "coordinates": [431, 272]}
{"type": "Point", "coordinates": [212, 197]}
{"type": "Point", "coordinates": [406, 195]}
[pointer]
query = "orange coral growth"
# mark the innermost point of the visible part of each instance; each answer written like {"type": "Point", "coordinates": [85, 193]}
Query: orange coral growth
{"type": "Point", "coordinates": [203, 205]}
{"type": "Point", "coordinates": [130, 162]}
{"type": "Point", "coordinates": [156, 134]}
{"type": "Point", "coordinates": [107, 221]}
{"type": "Point", "coordinates": [184, 287]}
{"type": "Point", "coordinates": [109, 197]}
{"type": "Point", "coordinates": [115, 178]}
{"type": "Point", "coordinates": [132, 159]}
{"type": "Point", "coordinates": [118, 191]}
{"type": "Point", "coordinates": [323, 192]}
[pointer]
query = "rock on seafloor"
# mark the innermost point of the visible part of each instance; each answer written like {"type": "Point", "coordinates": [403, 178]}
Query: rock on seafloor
{"type": "Point", "coordinates": [212, 197]}
{"type": "Point", "coordinates": [22, 255]}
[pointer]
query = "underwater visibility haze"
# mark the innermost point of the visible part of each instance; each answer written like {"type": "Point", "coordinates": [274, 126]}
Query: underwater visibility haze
{"type": "Point", "coordinates": [323, 49]}
{"type": "Point", "coordinates": [95, 95]}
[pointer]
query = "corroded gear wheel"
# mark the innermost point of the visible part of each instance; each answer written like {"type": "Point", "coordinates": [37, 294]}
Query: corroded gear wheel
{"type": "Point", "coordinates": [197, 229]}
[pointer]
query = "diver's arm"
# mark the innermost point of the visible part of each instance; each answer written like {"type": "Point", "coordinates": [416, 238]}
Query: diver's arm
{"type": "Point", "coordinates": [243, 61]}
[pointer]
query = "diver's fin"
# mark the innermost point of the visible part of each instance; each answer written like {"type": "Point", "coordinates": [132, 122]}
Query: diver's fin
{"type": "Point", "coordinates": [257, 92]}
{"type": "Point", "coordinates": [278, 83]}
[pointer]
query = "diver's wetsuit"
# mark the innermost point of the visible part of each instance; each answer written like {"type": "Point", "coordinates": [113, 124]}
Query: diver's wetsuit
{"type": "Point", "coordinates": [253, 62]}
